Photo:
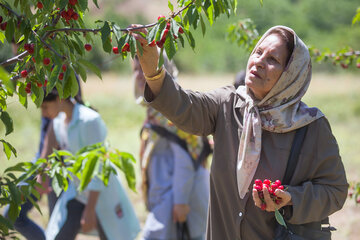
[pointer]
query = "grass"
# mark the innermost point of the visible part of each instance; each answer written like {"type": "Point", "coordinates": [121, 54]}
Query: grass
{"type": "Point", "coordinates": [336, 95]}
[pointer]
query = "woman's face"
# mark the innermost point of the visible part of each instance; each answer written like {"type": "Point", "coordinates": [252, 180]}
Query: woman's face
{"type": "Point", "coordinates": [50, 109]}
{"type": "Point", "coordinates": [266, 65]}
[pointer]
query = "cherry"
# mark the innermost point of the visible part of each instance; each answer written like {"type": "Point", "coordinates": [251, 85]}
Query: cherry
{"type": "Point", "coordinates": [33, 59]}
{"type": "Point", "coordinates": [70, 12]}
{"type": "Point", "coordinates": [258, 182]}
{"type": "Point", "coordinates": [181, 30]}
{"type": "Point", "coordinates": [168, 26]}
{"type": "Point", "coordinates": [358, 65]}
{"type": "Point", "coordinates": [75, 16]}
{"type": "Point", "coordinates": [126, 47]}
{"type": "Point", "coordinates": [163, 38]}
{"type": "Point", "coordinates": [160, 44]}
{"type": "Point", "coordinates": [73, 2]}
{"type": "Point", "coordinates": [24, 73]}
{"type": "Point", "coordinates": [46, 61]}
{"type": "Point", "coordinates": [40, 5]}
{"type": "Point", "coordinates": [61, 76]}
{"type": "Point", "coordinates": [1, 19]}
{"type": "Point", "coordinates": [116, 50]}
{"type": "Point", "coordinates": [88, 47]}
{"type": "Point", "coordinates": [39, 84]}
{"type": "Point", "coordinates": [267, 181]}
{"type": "Point", "coordinates": [152, 44]}
{"type": "Point", "coordinates": [64, 67]}
{"type": "Point", "coordinates": [3, 26]}
{"type": "Point", "coordinates": [160, 17]}
{"type": "Point", "coordinates": [31, 48]}
{"type": "Point", "coordinates": [28, 88]}
{"type": "Point", "coordinates": [45, 83]}
{"type": "Point", "coordinates": [343, 65]}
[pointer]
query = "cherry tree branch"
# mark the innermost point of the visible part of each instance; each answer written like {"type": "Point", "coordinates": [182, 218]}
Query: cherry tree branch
{"type": "Point", "coordinates": [48, 46]}
{"type": "Point", "coordinates": [10, 10]}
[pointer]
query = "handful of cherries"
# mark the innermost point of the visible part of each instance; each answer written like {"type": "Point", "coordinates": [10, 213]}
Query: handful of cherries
{"type": "Point", "coordinates": [271, 187]}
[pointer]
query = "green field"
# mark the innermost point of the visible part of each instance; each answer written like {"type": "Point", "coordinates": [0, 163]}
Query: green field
{"type": "Point", "coordinates": [336, 95]}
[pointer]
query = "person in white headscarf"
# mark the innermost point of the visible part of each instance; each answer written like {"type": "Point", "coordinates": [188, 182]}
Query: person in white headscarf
{"type": "Point", "coordinates": [253, 129]}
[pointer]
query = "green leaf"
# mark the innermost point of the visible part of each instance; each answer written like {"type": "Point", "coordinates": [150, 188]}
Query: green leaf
{"type": "Point", "coordinates": [81, 70]}
{"type": "Point", "coordinates": [279, 218]}
{"type": "Point", "coordinates": [8, 149]}
{"type": "Point", "coordinates": [22, 95]}
{"type": "Point", "coordinates": [171, 7]}
{"type": "Point", "coordinates": [15, 194]}
{"type": "Point", "coordinates": [170, 47]}
{"type": "Point", "coordinates": [153, 31]}
{"type": "Point", "coordinates": [105, 37]}
{"type": "Point", "coordinates": [57, 184]}
{"type": "Point", "coordinates": [8, 122]}
{"type": "Point", "coordinates": [356, 17]}
{"type": "Point", "coordinates": [5, 223]}
{"type": "Point", "coordinates": [2, 37]}
{"type": "Point", "coordinates": [88, 172]}
{"type": "Point", "coordinates": [91, 67]}
{"type": "Point", "coordinates": [10, 30]}
{"type": "Point", "coordinates": [63, 3]}
{"type": "Point", "coordinates": [203, 27]}
{"type": "Point", "coordinates": [17, 168]}
{"type": "Point", "coordinates": [117, 31]}
{"type": "Point", "coordinates": [96, 3]}
{"type": "Point", "coordinates": [71, 86]}
{"type": "Point", "coordinates": [161, 58]}
{"type": "Point", "coordinates": [83, 4]}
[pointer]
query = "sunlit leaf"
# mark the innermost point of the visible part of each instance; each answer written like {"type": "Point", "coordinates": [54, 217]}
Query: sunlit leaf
{"type": "Point", "coordinates": [8, 122]}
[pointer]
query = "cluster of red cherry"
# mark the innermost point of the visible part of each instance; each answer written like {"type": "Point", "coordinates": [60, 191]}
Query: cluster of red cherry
{"type": "Point", "coordinates": [271, 187]}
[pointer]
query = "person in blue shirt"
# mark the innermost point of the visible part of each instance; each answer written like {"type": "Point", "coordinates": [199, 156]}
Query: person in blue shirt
{"type": "Point", "coordinates": [75, 126]}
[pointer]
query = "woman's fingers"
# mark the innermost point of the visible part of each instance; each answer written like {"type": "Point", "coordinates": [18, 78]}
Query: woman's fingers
{"type": "Point", "coordinates": [256, 198]}
{"type": "Point", "coordinates": [285, 198]}
{"type": "Point", "coordinates": [270, 205]}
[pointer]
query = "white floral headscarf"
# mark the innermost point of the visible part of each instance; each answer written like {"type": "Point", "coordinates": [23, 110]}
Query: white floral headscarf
{"type": "Point", "coordinates": [280, 111]}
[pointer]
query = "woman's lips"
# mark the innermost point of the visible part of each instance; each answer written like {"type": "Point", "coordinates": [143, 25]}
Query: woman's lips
{"type": "Point", "coordinates": [255, 73]}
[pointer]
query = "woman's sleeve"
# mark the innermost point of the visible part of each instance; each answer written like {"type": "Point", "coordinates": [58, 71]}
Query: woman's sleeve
{"type": "Point", "coordinates": [326, 192]}
{"type": "Point", "coordinates": [193, 112]}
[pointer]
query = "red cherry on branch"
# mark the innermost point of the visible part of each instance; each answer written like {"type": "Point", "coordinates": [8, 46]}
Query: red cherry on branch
{"type": "Point", "coordinates": [39, 84]}
{"type": "Point", "coordinates": [46, 61]}
{"type": "Point", "coordinates": [181, 30]}
{"type": "Point", "coordinates": [88, 47]}
{"type": "Point", "coordinates": [45, 83]}
{"type": "Point", "coordinates": [115, 50]}
{"type": "Point", "coordinates": [64, 67]}
{"type": "Point", "coordinates": [152, 44]}
{"type": "Point", "coordinates": [75, 16]}
{"type": "Point", "coordinates": [24, 73]}
{"type": "Point", "coordinates": [160, 17]}
{"type": "Point", "coordinates": [28, 88]}
{"type": "Point", "coordinates": [343, 65]}
{"type": "Point", "coordinates": [168, 25]}
{"type": "Point", "coordinates": [61, 76]}
{"type": "Point", "coordinates": [163, 38]}
{"type": "Point", "coordinates": [3, 26]}
{"type": "Point", "coordinates": [40, 5]}
{"type": "Point", "coordinates": [126, 47]}
{"type": "Point", "coordinates": [73, 2]}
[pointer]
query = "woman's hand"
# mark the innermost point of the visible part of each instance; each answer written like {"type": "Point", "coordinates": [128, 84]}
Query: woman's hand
{"type": "Point", "coordinates": [180, 212]}
{"type": "Point", "coordinates": [44, 181]}
{"type": "Point", "coordinates": [88, 219]}
{"type": "Point", "coordinates": [150, 57]}
{"type": "Point", "coordinates": [284, 199]}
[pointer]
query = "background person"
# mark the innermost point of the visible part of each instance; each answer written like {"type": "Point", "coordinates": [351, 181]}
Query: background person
{"type": "Point", "coordinates": [74, 127]}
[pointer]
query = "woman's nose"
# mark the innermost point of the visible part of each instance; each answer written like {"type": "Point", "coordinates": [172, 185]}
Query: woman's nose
{"type": "Point", "coordinates": [259, 62]}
